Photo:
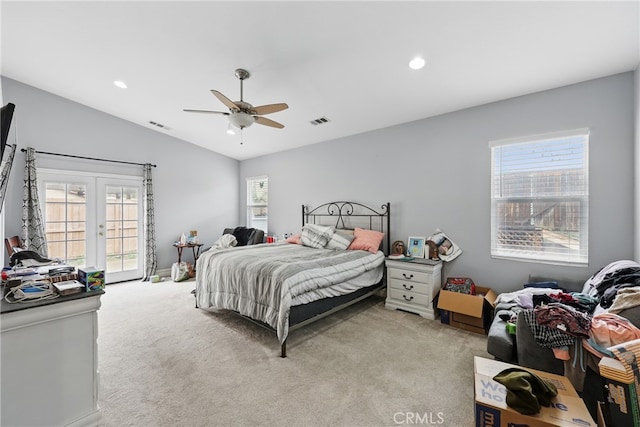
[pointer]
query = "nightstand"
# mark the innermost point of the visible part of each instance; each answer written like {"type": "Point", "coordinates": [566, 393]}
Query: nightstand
{"type": "Point", "coordinates": [412, 285]}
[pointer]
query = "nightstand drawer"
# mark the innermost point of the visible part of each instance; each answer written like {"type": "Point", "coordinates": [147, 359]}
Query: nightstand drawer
{"type": "Point", "coordinates": [408, 297]}
{"type": "Point", "coordinates": [411, 275]}
{"type": "Point", "coordinates": [409, 286]}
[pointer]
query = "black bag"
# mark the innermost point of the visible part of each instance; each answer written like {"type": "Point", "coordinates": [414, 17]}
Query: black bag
{"type": "Point", "coordinates": [20, 256]}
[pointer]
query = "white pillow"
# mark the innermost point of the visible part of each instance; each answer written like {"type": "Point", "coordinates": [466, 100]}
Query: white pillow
{"type": "Point", "coordinates": [315, 236]}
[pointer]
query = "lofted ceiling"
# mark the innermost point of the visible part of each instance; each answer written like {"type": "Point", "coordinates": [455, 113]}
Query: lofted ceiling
{"type": "Point", "coordinates": [344, 61]}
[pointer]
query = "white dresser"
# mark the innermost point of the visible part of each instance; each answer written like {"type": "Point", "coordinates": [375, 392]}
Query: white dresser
{"type": "Point", "coordinates": [412, 285]}
{"type": "Point", "coordinates": [50, 362]}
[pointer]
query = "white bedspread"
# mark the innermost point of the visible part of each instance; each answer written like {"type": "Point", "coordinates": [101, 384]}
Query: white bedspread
{"type": "Point", "coordinates": [263, 281]}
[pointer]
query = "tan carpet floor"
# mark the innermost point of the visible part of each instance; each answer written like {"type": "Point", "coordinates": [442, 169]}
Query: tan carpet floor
{"type": "Point", "coordinates": [163, 362]}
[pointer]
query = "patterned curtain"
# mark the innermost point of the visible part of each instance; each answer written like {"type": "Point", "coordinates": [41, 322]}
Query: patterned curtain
{"type": "Point", "coordinates": [151, 260]}
{"type": "Point", "coordinates": [4, 174]}
{"type": "Point", "coordinates": [33, 234]}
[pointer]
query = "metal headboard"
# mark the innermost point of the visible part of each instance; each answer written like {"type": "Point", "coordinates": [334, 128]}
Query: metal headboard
{"type": "Point", "coordinates": [349, 215]}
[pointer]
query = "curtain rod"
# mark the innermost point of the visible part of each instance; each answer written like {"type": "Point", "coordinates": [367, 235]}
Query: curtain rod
{"type": "Point", "coordinates": [88, 158]}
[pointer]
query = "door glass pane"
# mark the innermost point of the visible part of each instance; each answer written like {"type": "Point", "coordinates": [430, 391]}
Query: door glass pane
{"type": "Point", "coordinates": [114, 263]}
{"type": "Point", "coordinates": [114, 229]}
{"type": "Point", "coordinates": [130, 253]}
{"type": "Point", "coordinates": [122, 228]}
{"type": "Point", "coordinates": [65, 222]}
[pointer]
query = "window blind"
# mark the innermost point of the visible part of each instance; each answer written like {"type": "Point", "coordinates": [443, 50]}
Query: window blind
{"type": "Point", "coordinates": [540, 198]}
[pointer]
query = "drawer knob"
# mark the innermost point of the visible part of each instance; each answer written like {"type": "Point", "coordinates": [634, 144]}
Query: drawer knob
{"type": "Point", "coordinates": [407, 287]}
{"type": "Point", "coordinates": [407, 277]}
{"type": "Point", "coordinates": [407, 299]}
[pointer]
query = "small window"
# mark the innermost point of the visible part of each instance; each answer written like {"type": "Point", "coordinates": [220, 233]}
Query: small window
{"type": "Point", "coordinates": [257, 203]}
{"type": "Point", "coordinates": [540, 198]}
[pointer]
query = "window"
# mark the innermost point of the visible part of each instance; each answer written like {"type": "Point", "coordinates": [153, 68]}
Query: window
{"type": "Point", "coordinates": [257, 201]}
{"type": "Point", "coordinates": [540, 198]}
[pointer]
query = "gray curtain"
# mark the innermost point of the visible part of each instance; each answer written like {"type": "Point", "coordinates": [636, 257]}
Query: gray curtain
{"type": "Point", "coordinates": [33, 235]}
{"type": "Point", "coordinates": [6, 169]}
{"type": "Point", "coordinates": [151, 260]}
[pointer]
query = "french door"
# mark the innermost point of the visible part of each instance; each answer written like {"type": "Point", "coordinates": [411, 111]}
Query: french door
{"type": "Point", "coordinates": [94, 221]}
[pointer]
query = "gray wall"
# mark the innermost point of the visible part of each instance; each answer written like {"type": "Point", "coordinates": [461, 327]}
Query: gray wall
{"type": "Point", "coordinates": [435, 172]}
{"type": "Point", "coordinates": [194, 188]}
{"type": "Point", "coordinates": [637, 164]}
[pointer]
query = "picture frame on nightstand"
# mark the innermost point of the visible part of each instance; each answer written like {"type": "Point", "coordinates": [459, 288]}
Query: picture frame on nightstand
{"type": "Point", "coordinates": [416, 246]}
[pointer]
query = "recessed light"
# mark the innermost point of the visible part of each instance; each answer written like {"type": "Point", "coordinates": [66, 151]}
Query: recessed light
{"type": "Point", "coordinates": [120, 84]}
{"type": "Point", "coordinates": [416, 63]}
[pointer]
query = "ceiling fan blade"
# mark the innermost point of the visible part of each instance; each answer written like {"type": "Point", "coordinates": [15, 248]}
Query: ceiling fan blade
{"type": "Point", "coordinates": [188, 110]}
{"type": "Point", "coordinates": [271, 108]}
{"type": "Point", "coordinates": [226, 101]}
{"type": "Point", "coordinates": [268, 122]}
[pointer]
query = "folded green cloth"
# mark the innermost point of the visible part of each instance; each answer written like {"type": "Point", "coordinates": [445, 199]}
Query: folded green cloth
{"type": "Point", "coordinates": [526, 392]}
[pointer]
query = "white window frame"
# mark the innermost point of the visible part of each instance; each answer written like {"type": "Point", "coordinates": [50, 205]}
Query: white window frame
{"type": "Point", "coordinates": [533, 242]}
{"type": "Point", "coordinates": [262, 223]}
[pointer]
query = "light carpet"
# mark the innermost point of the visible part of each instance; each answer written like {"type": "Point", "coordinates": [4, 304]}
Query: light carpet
{"type": "Point", "coordinates": [162, 362]}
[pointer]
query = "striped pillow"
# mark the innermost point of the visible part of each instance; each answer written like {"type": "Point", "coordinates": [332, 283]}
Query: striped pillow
{"type": "Point", "coordinates": [340, 240]}
{"type": "Point", "coordinates": [315, 236]}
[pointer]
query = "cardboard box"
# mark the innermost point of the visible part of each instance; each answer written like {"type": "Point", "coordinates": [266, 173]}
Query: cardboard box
{"type": "Point", "coordinates": [491, 409]}
{"type": "Point", "coordinates": [92, 278]}
{"type": "Point", "coordinates": [469, 312]}
{"type": "Point", "coordinates": [621, 389]}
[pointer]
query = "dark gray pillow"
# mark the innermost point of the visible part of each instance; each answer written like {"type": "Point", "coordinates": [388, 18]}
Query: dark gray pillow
{"type": "Point", "coordinates": [244, 235]}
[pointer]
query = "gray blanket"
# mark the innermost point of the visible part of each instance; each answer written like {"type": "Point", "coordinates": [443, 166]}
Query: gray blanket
{"type": "Point", "coordinates": [260, 281]}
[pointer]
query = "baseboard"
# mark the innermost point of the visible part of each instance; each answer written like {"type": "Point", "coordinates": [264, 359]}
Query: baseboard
{"type": "Point", "coordinates": [90, 420]}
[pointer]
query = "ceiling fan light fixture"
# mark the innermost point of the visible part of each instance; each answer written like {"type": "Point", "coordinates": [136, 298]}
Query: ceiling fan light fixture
{"type": "Point", "coordinates": [416, 63]}
{"type": "Point", "coordinates": [230, 130]}
{"type": "Point", "coordinates": [241, 120]}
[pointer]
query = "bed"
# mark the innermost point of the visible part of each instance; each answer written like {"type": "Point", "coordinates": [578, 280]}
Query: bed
{"type": "Point", "coordinates": [285, 286]}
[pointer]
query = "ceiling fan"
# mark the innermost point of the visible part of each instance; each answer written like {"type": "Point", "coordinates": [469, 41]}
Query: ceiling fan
{"type": "Point", "coordinates": [242, 114]}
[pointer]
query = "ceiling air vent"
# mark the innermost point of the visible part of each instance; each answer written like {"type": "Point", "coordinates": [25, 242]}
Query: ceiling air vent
{"type": "Point", "coordinates": [320, 121]}
{"type": "Point", "coordinates": [160, 125]}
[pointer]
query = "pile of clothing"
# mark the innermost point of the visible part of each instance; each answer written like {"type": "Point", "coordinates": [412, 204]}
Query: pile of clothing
{"type": "Point", "coordinates": [616, 286]}
{"type": "Point", "coordinates": [569, 323]}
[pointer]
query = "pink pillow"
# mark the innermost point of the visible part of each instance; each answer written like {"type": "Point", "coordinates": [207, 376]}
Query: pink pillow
{"type": "Point", "coordinates": [366, 240]}
{"type": "Point", "coordinates": [294, 239]}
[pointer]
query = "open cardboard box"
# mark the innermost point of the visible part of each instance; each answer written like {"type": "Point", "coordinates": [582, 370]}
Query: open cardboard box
{"type": "Point", "coordinates": [469, 312]}
{"type": "Point", "coordinates": [491, 409]}
{"type": "Point", "coordinates": [622, 385]}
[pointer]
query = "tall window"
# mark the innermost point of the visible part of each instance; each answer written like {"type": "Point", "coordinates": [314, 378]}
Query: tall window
{"type": "Point", "coordinates": [540, 198]}
{"type": "Point", "coordinates": [257, 202]}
